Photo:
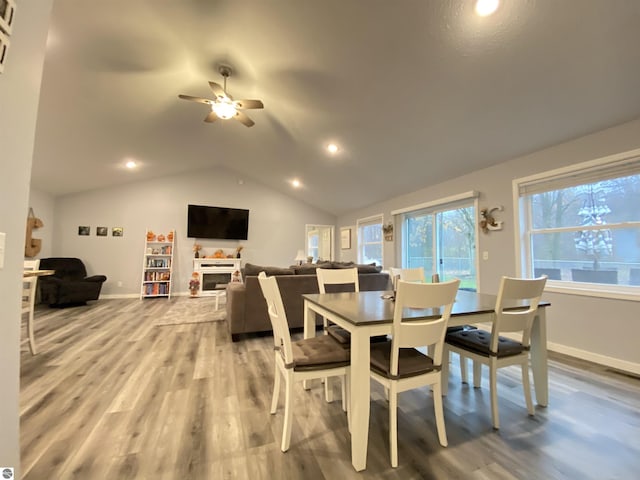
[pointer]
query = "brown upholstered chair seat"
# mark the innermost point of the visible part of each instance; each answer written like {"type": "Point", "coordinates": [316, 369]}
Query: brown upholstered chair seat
{"type": "Point", "coordinates": [479, 341]}
{"type": "Point", "coordinates": [318, 353]}
{"type": "Point", "coordinates": [411, 362]}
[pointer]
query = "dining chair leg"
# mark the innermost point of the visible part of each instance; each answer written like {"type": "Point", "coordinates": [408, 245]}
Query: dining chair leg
{"type": "Point", "coordinates": [477, 374]}
{"type": "Point", "coordinates": [348, 395]}
{"type": "Point", "coordinates": [444, 373]}
{"type": "Point", "coordinates": [288, 414]}
{"type": "Point", "coordinates": [527, 387]}
{"type": "Point", "coordinates": [328, 390]}
{"type": "Point", "coordinates": [276, 390]}
{"type": "Point", "coordinates": [439, 413]}
{"type": "Point", "coordinates": [30, 328]}
{"type": "Point", "coordinates": [393, 426]}
{"type": "Point", "coordinates": [493, 377]}
{"type": "Point", "coordinates": [463, 368]}
{"type": "Point", "coordinates": [343, 387]}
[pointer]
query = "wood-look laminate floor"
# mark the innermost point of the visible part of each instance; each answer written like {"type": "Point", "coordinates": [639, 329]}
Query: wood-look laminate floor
{"type": "Point", "coordinates": [112, 396]}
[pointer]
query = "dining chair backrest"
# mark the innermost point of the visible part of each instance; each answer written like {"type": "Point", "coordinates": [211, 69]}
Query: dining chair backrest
{"type": "Point", "coordinates": [277, 315]}
{"type": "Point", "coordinates": [337, 276]}
{"type": "Point", "coordinates": [412, 274]}
{"type": "Point", "coordinates": [32, 264]}
{"type": "Point", "coordinates": [439, 298]}
{"type": "Point", "coordinates": [526, 291]}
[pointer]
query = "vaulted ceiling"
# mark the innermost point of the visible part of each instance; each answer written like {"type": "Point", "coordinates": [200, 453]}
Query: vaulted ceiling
{"type": "Point", "coordinates": [413, 91]}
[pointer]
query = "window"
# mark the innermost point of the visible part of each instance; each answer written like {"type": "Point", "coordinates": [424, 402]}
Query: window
{"type": "Point", "coordinates": [370, 240]}
{"type": "Point", "coordinates": [581, 226]}
{"type": "Point", "coordinates": [441, 237]}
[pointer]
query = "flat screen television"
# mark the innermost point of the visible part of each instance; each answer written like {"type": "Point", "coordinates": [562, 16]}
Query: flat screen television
{"type": "Point", "coordinates": [217, 222]}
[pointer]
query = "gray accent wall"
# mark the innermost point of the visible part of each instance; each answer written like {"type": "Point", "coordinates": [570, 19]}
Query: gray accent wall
{"type": "Point", "coordinates": [599, 329]}
{"type": "Point", "coordinates": [276, 224]}
{"type": "Point", "coordinates": [19, 94]}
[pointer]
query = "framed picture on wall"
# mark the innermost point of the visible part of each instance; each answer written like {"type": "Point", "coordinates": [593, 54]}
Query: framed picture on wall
{"type": "Point", "coordinates": [84, 230]}
{"type": "Point", "coordinates": [117, 231]}
{"type": "Point", "coordinates": [101, 231]}
{"type": "Point", "coordinates": [345, 238]}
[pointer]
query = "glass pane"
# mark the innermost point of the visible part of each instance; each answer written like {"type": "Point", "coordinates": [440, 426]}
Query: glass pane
{"type": "Point", "coordinates": [609, 201]}
{"type": "Point", "coordinates": [456, 246]}
{"type": "Point", "coordinates": [371, 233]}
{"type": "Point", "coordinates": [418, 244]}
{"type": "Point", "coordinates": [609, 256]}
{"type": "Point", "coordinates": [372, 253]}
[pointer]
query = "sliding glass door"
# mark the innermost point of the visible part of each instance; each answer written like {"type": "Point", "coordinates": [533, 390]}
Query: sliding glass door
{"type": "Point", "coordinates": [442, 240]}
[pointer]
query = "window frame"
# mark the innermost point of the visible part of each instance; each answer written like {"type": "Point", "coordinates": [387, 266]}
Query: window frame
{"type": "Point", "coordinates": [584, 173]}
{"type": "Point", "coordinates": [365, 222]}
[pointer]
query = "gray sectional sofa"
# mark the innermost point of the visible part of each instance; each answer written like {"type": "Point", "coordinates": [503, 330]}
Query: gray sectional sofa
{"type": "Point", "coordinates": [247, 309]}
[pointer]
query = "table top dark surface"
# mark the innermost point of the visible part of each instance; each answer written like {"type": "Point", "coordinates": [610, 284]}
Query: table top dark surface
{"type": "Point", "coordinates": [365, 308]}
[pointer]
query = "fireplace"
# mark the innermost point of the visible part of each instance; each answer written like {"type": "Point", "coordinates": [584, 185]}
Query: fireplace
{"type": "Point", "coordinates": [215, 273]}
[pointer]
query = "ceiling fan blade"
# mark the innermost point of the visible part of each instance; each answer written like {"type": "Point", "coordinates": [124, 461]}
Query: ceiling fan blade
{"type": "Point", "coordinates": [244, 119]}
{"type": "Point", "coordinates": [212, 117]}
{"type": "Point", "coordinates": [217, 90]}
{"type": "Point", "coordinates": [249, 104]}
{"type": "Point", "coordinates": [195, 99]}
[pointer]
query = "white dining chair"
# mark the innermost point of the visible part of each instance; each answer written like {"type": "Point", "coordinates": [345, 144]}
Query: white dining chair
{"type": "Point", "coordinates": [496, 351]}
{"type": "Point", "coordinates": [399, 366]}
{"type": "Point", "coordinates": [29, 290]}
{"type": "Point", "coordinates": [308, 359]}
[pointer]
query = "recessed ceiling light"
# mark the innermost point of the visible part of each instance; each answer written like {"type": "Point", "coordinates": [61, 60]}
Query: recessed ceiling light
{"type": "Point", "coordinates": [332, 148]}
{"type": "Point", "coordinates": [131, 164]}
{"type": "Point", "coordinates": [295, 183]}
{"type": "Point", "coordinates": [486, 7]}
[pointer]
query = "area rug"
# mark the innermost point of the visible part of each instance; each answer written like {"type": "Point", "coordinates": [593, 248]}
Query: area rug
{"type": "Point", "coordinates": [193, 310]}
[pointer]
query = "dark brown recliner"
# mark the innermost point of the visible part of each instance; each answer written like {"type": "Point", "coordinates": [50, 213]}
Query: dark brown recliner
{"type": "Point", "coordinates": [69, 286]}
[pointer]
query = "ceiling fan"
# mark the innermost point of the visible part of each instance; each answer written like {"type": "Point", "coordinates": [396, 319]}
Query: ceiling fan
{"type": "Point", "coordinates": [223, 105]}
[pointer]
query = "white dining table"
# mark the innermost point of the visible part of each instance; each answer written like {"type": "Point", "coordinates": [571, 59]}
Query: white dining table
{"type": "Point", "coordinates": [367, 314]}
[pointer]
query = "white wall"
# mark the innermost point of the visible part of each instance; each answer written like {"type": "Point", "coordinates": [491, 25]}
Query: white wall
{"type": "Point", "coordinates": [276, 224]}
{"type": "Point", "coordinates": [19, 94]}
{"type": "Point", "coordinates": [598, 329]}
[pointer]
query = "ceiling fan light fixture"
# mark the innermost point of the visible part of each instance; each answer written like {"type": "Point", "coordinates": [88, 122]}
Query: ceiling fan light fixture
{"type": "Point", "coordinates": [224, 108]}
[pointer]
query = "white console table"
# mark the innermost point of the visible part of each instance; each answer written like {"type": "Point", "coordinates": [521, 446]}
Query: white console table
{"type": "Point", "coordinates": [222, 268]}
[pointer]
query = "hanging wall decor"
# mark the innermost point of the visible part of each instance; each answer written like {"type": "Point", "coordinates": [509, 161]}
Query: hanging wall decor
{"type": "Point", "coordinates": [7, 10]}
{"type": "Point", "coordinates": [488, 221]}
{"type": "Point", "coordinates": [32, 246]}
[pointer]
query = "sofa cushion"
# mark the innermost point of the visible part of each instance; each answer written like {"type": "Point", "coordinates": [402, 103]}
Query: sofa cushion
{"type": "Point", "coordinates": [253, 270]}
{"type": "Point", "coordinates": [369, 268]}
{"type": "Point", "coordinates": [310, 268]}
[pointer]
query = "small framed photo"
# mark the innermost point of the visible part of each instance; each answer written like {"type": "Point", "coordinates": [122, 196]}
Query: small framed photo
{"type": "Point", "coordinates": [345, 238]}
{"type": "Point", "coordinates": [101, 231]}
{"type": "Point", "coordinates": [117, 231]}
{"type": "Point", "coordinates": [84, 230]}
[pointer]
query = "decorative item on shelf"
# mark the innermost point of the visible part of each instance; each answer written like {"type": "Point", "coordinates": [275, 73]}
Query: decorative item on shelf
{"type": "Point", "coordinates": [300, 257]}
{"type": "Point", "coordinates": [196, 250]}
{"type": "Point", "coordinates": [235, 278]}
{"type": "Point", "coordinates": [194, 284]}
{"type": "Point", "coordinates": [218, 253]}
{"type": "Point", "coordinates": [309, 259]}
{"type": "Point", "coordinates": [238, 250]}
{"type": "Point", "coordinates": [170, 236]}
{"type": "Point", "coordinates": [161, 238]}
{"type": "Point", "coordinates": [388, 231]}
{"type": "Point", "coordinates": [488, 222]}
{"type": "Point", "coordinates": [151, 237]}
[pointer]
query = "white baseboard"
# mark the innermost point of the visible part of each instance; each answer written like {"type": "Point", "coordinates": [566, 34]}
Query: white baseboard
{"type": "Point", "coordinates": [616, 363]}
{"type": "Point", "coordinates": [611, 362]}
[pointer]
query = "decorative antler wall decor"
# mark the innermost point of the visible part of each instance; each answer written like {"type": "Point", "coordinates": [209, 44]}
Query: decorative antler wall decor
{"type": "Point", "coordinates": [489, 223]}
{"type": "Point", "coordinates": [388, 231]}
